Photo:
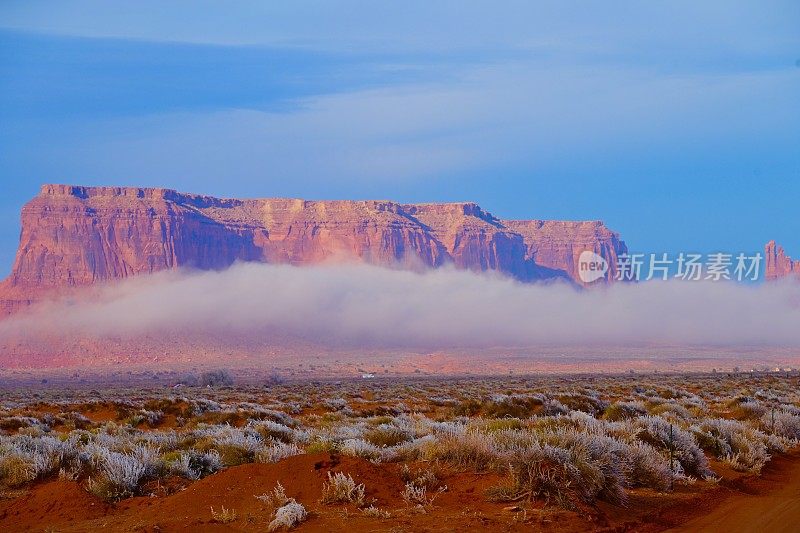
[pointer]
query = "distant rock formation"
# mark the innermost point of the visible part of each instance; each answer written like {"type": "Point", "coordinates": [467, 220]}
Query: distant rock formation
{"type": "Point", "coordinates": [778, 264]}
{"type": "Point", "coordinates": [76, 236]}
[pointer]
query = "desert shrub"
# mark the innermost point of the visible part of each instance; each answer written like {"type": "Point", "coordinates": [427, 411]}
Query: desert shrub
{"type": "Point", "coordinates": [14, 423]}
{"type": "Point", "coordinates": [418, 495]}
{"type": "Point", "coordinates": [120, 474]}
{"type": "Point", "coordinates": [192, 464]}
{"type": "Point", "coordinates": [552, 407]}
{"type": "Point", "coordinates": [547, 473]}
{"type": "Point", "coordinates": [468, 450]}
{"type": "Point", "coordinates": [497, 424]}
{"type": "Point", "coordinates": [75, 420]}
{"type": "Point", "coordinates": [199, 406]}
{"type": "Point", "coordinates": [624, 410]}
{"type": "Point", "coordinates": [600, 462]}
{"type": "Point", "coordinates": [670, 410]}
{"type": "Point", "coordinates": [276, 451]}
{"type": "Point", "coordinates": [374, 512]}
{"type": "Point", "coordinates": [442, 401]}
{"type": "Point", "coordinates": [288, 516]}
{"type": "Point", "coordinates": [273, 430]}
{"type": "Point", "coordinates": [143, 416]}
{"type": "Point", "coordinates": [189, 380]}
{"type": "Point", "coordinates": [25, 458]}
{"type": "Point", "coordinates": [259, 412]}
{"type": "Point", "coordinates": [152, 418]}
{"type": "Point", "coordinates": [387, 435]}
{"type": "Point", "coordinates": [468, 407]}
{"type": "Point", "coordinates": [512, 406]}
{"type": "Point", "coordinates": [670, 437]}
{"type": "Point", "coordinates": [582, 401]}
{"type": "Point", "coordinates": [419, 478]}
{"type": "Point", "coordinates": [335, 404]}
{"type": "Point", "coordinates": [361, 448]}
{"type": "Point", "coordinates": [341, 488]}
{"type": "Point", "coordinates": [216, 378]}
{"type": "Point", "coordinates": [276, 498]}
{"type": "Point", "coordinates": [782, 423]}
{"type": "Point", "coordinates": [651, 469]}
{"type": "Point", "coordinates": [407, 451]}
{"type": "Point", "coordinates": [743, 447]}
{"type": "Point", "coordinates": [16, 469]}
{"type": "Point", "coordinates": [320, 446]}
{"type": "Point", "coordinates": [672, 393]}
{"type": "Point", "coordinates": [746, 408]}
{"type": "Point", "coordinates": [232, 455]}
{"type": "Point", "coordinates": [223, 515]}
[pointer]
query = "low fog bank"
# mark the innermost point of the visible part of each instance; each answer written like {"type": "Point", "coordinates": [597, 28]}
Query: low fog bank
{"type": "Point", "coordinates": [371, 305]}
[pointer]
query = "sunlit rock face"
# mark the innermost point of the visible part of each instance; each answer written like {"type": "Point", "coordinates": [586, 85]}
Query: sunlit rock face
{"type": "Point", "coordinates": [75, 236]}
{"type": "Point", "coordinates": [778, 264]}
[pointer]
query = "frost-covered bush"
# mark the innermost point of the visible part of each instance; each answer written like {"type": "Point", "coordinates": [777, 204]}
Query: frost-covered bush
{"type": "Point", "coordinates": [782, 423]}
{"type": "Point", "coordinates": [752, 410]}
{"type": "Point", "coordinates": [623, 410]}
{"type": "Point", "coordinates": [341, 488]}
{"type": "Point", "coordinates": [192, 464]}
{"type": "Point", "coordinates": [553, 474]}
{"type": "Point", "coordinates": [335, 404]}
{"type": "Point", "coordinates": [387, 435]}
{"type": "Point", "coordinates": [277, 431]}
{"type": "Point", "coordinates": [671, 410]}
{"type": "Point", "coordinates": [587, 401]}
{"type": "Point", "coordinates": [199, 406]}
{"type": "Point", "coordinates": [216, 378]}
{"type": "Point", "coordinates": [744, 447]}
{"type": "Point", "coordinates": [119, 473]}
{"type": "Point", "coordinates": [288, 516]}
{"type": "Point", "coordinates": [361, 448]}
{"type": "Point", "coordinates": [276, 451]}
{"type": "Point", "coordinates": [513, 405]}
{"type": "Point", "coordinates": [24, 458]}
{"type": "Point", "coordinates": [671, 438]}
{"type": "Point", "coordinates": [466, 450]}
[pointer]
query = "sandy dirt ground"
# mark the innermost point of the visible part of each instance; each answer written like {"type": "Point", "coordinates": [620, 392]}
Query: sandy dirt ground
{"type": "Point", "coordinates": [771, 503]}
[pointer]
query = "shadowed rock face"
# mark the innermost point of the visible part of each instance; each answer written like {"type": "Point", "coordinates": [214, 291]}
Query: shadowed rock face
{"type": "Point", "coordinates": [778, 264]}
{"type": "Point", "coordinates": [76, 236]}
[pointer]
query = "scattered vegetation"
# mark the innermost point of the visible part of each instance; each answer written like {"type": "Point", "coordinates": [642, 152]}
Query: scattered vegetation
{"type": "Point", "coordinates": [565, 442]}
{"type": "Point", "coordinates": [341, 488]}
{"type": "Point", "coordinates": [224, 516]}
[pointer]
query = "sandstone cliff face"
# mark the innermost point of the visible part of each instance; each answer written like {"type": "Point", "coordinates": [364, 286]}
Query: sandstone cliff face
{"type": "Point", "coordinates": [778, 264]}
{"type": "Point", "coordinates": [554, 246]}
{"type": "Point", "coordinates": [75, 236]}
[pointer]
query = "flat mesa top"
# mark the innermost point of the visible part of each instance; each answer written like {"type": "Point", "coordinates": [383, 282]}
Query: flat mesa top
{"type": "Point", "coordinates": [205, 201]}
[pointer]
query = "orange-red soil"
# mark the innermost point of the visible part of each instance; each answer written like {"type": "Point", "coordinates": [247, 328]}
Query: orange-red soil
{"type": "Point", "coordinates": [739, 502]}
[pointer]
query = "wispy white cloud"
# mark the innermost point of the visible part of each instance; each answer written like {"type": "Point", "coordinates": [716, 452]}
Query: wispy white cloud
{"type": "Point", "coordinates": [683, 29]}
{"type": "Point", "coordinates": [518, 113]}
{"type": "Point", "coordinates": [364, 305]}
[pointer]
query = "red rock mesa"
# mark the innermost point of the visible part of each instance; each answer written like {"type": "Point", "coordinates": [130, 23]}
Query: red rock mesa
{"type": "Point", "coordinates": [76, 236]}
{"type": "Point", "coordinates": [778, 264]}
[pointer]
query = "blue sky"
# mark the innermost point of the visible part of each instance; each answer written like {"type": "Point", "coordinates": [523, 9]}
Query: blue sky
{"type": "Point", "coordinates": [676, 123]}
